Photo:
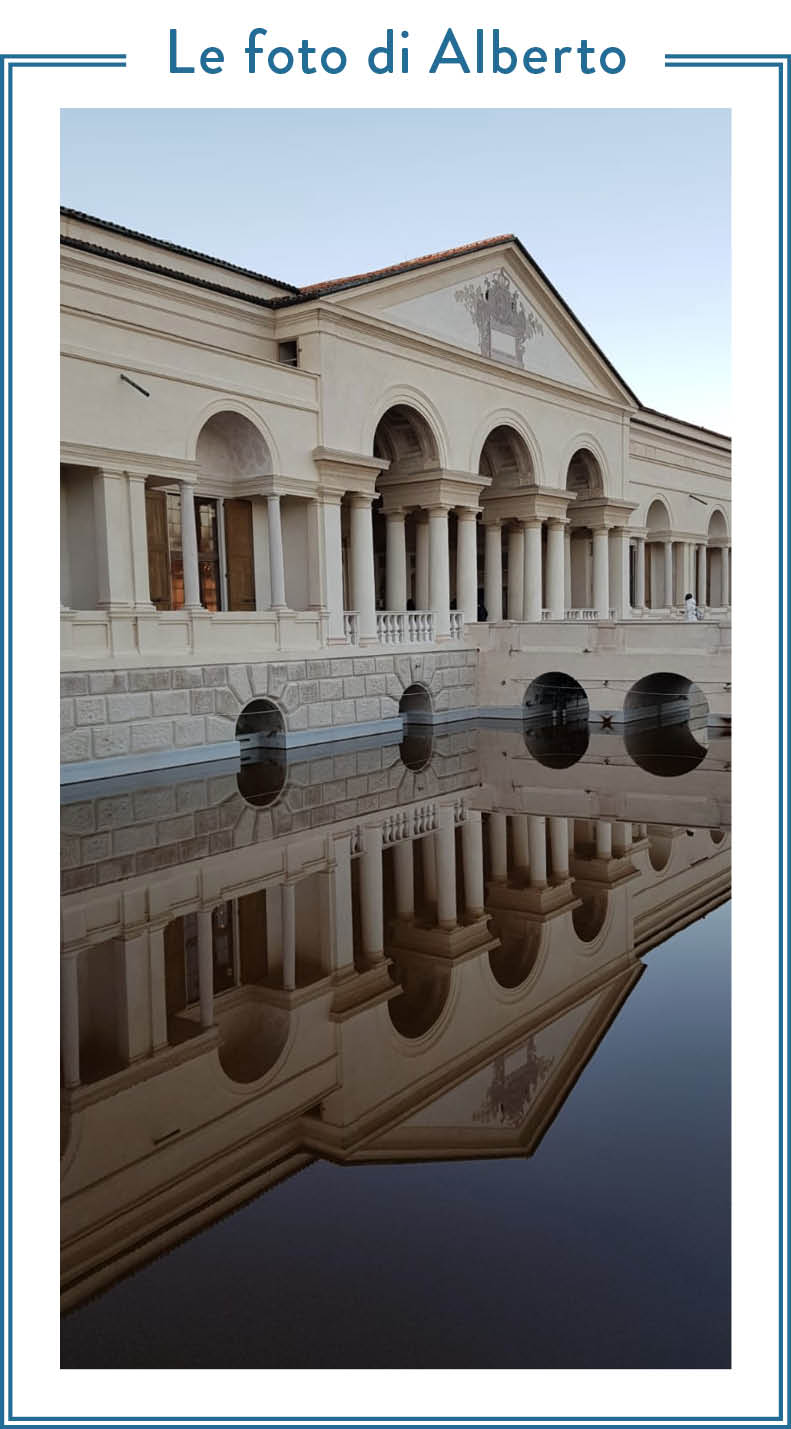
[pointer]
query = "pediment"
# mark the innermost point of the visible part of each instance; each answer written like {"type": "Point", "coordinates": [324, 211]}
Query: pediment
{"type": "Point", "coordinates": [498, 305]}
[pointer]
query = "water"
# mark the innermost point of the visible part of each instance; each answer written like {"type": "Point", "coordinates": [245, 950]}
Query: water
{"type": "Point", "coordinates": [521, 1156]}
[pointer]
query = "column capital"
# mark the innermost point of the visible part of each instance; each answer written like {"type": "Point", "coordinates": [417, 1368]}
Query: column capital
{"type": "Point", "coordinates": [466, 513]}
{"type": "Point", "coordinates": [360, 500]}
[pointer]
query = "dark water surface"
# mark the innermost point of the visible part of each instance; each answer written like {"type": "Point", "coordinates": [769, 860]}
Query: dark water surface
{"type": "Point", "coordinates": [609, 1246]}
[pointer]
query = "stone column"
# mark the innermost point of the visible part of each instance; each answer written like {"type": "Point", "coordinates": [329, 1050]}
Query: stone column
{"type": "Point", "coordinates": [189, 548]}
{"type": "Point", "coordinates": [689, 568]}
{"type": "Point", "coordinates": [138, 532]}
{"type": "Point", "coordinates": [362, 567]}
{"type": "Point", "coordinates": [559, 848]}
{"type": "Point", "coordinates": [156, 976]}
{"type": "Point", "coordinates": [537, 835]}
{"type": "Point", "coordinates": [601, 572]}
{"type": "Point", "coordinates": [566, 569]}
{"type": "Point", "coordinates": [726, 576]}
{"type": "Point", "coordinates": [556, 566]}
{"type": "Point", "coordinates": [421, 562]}
{"type": "Point", "coordinates": [330, 518]}
{"type": "Point", "coordinates": [277, 574]}
{"type": "Point", "coordinates": [343, 913]}
{"type": "Point", "coordinates": [532, 584]}
{"type": "Point", "coordinates": [639, 573]}
{"type": "Point", "coordinates": [701, 591]}
{"type": "Point", "coordinates": [371, 898]}
{"type": "Point", "coordinates": [446, 868]}
{"type": "Point", "coordinates": [498, 847]}
{"type": "Point", "coordinates": [603, 838]}
{"type": "Point", "coordinates": [395, 562]}
{"type": "Point", "coordinates": [439, 570]}
{"type": "Point", "coordinates": [205, 967]}
{"type": "Point", "coordinates": [289, 927]}
{"type": "Point", "coordinates": [493, 574]}
{"type": "Point", "coordinates": [466, 564]}
{"type": "Point", "coordinates": [113, 551]}
{"type": "Point", "coordinates": [516, 571]}
{"type": "Point", "coordinates": [429, 856]}
{"type": "Point", "coordinates": [472, 863]}
{"type": "Point", "coordinates": [70, 1019]}
{"type": "Point", "coordinates": [620, 596]}
{"type": "Point", "coordinates": [668, 553]}
{"type": "Point", "coordinates": [404, 870]}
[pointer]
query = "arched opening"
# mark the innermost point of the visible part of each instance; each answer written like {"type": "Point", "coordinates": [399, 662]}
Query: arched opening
{"type": "Point", "coordinates": [515, 959]}
{"type": "Point", "coordinates": [584, 476]}
{"type": "Point", "coordinates": [262, 776]}
{"type": "Point", "coordinates": [415, 704]}
{"type": "Point", "coordinates": [660, 847]}
{"type": "Point", "coordinates": [555, 698]}
{"type": "Point", "coordinates": [404, 438]}
{"type": "Point", "coordinates": [506, 461]}
{"type": "Point", "coordinates": [589, 916]}
{"type": "Point", "coordinates": [260, 725]}
{"type": "Point", "coordinates": [585, 480]}
{"type": "Point", "coordinates": [415, 1010]}
{"type": "Point", "coordinates": [717, 562]}
{"type": "Point", "coordinates": [252, 1037]}
{"type": "Point", "coordinates": [665, 730]}
{"type": "Point", "coordinates": [659, 558]}
{"type": "Point", "coordinates": [717, 836]}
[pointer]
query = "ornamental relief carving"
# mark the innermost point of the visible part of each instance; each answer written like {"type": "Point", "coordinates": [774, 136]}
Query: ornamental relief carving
{"type": "Point", "coordinates": [503, 321]}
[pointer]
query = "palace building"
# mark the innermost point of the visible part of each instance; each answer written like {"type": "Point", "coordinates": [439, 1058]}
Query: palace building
{"type": "Point", "coordinates": [310, 509]}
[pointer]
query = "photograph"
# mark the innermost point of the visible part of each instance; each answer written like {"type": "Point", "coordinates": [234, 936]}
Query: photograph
{"type": "Point", "coordinates": [395, 692]}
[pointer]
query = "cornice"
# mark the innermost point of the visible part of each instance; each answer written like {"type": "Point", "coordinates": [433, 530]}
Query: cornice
{"type": "Point", "coordinates": [120, 463]}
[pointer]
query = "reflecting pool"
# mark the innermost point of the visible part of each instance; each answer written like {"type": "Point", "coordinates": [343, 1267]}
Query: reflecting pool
{"type": "Point", "coordinates": [406, 1052]}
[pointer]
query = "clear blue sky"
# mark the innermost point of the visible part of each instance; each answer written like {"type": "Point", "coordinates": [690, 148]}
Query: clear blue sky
{"type": "Point", "coordinates": [627, 211]}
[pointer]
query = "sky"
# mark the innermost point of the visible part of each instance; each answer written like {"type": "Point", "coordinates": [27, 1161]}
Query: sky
{"type": "Point", "coordinates": [626, 211]}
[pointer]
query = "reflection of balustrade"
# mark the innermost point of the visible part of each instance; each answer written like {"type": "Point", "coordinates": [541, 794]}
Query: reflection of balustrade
{"type": "Point", "coordinates": [350, 626]}
{"type": "Point", "coordinates": [456, 624]}
{"type": "Point", "coordinates": [411, 824]}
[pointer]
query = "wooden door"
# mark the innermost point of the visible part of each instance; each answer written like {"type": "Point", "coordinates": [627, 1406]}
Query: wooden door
{"type": "Point", "coordinates": [239, 555]}
{"type": "Point", "coordinates": [158, 559]}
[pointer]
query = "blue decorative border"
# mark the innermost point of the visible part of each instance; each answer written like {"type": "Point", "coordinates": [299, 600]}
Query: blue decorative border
{"type": "Point", "coordinates": [781, 63]}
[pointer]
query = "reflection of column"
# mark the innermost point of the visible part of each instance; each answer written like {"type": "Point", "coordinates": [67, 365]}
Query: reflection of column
{"type": "Point", "coordinates": [289, 914]}
{"type": "Point", "coordinates": [156, 974]}
{"type": "Point", "coordinates": [621, 838]}
{"type": "Point", "coordinates": [342, 904]}
{"type": "Point", "coordinates": [133, 996]}
{"type": "Point", "coordinates": [601, 572]}
{"type": "Point", "coordinates": [498, 847]}
{"type": "Point", "coordinates": [439, 569]}
{"type": "Point", "coordinates": [466, 563]}
{"type": "Point", "coordinates": [362, 566]}
{"type": "Point", "coordinates": [667, 547]}
{"type": "Point", "coordinates": [725, 577]}
{"type": "Point", "coordinates": [189, 548]}
{"type": "Point", "coordinates": [639, 573]}
{"type": "Point", "coordinates": [603, 839]}
{"type": "Point", "coordinates": [472, 863]}
{"type": "Point", "coordinates": [404, 868]}
{"type": "Point", "coordinates": [205, 967]}
{"type": "Point", "coordinates": [421, 561]}
{"type": "Point", "coordinates": [446, 868]}
{"type": "Point", "coordinates": [277, 572]}
{"type": "Point", "coordinates": [371, 902]}
{"type": "Point", "coordinates": [493, 572]}
{"type": "Point", "coordinates": [559, 848]}
{"type": "Point", "coordinates": [395, 562]}
{"type": "Point", "coordinates": [556, 550]}
{"type": "Point", "coordinates": [521, 841]}
{"type": "Point", "coordinates": [567, 569]}
{"type": "Point", "coordinates": [701, 591]}
{"type": "Point", "coordinates": [516, 574]}
{"type": "Point", "coordinates": [70, 1019]}
{"type": "Point", "coordinates": [537, 835]}
{"type": "Point", "coordinates": [330, 519]}
{"type": "Point", "coordinates": [532, 577]}
{"type": "Point", "coordinates": [429, 856]}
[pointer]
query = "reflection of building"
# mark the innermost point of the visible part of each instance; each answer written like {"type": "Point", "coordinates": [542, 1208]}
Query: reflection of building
{"type": "Point", "coordinates": [420, 970]}
{"type": "Point", "coordinates": [318, 496]}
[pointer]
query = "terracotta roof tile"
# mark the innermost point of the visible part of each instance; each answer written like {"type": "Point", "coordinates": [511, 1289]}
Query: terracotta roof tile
{"type": "Point", "coordinates": [331, 284]}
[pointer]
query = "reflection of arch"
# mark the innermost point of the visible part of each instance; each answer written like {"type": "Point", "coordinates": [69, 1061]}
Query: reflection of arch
{"type": "Point", "coordinates": [418, 1006]}
{"type": "Point", "coordinates": [717, 836]}
{"type": "Point", "coordinates": [660, 847]}
{"type": "Point", "coordinates": [589, 916]}
{"type": "Point", "coordinates": [513, 962]}
{"type": "Point", "coordinates": [658, 734]}
{"type": "Point", "coordinates": [555, 697]}
{"type": "Point", "coordinates": [260, 723]}
{"type": "Point", "coordinates": [408, 434]}
{"type": "Point", "coordinates": [230, 444]}
{"type": "Point", "coordinates": [558, 746]}
{"type": "Point", "coordinates": [505, 458]}
{"type": "Point", "coordinates": [261, 779]}
{"type": "Point", "coordinates": [584, 475]}
{"type": "Point", "coordinates": [664, 750]}
{"type": "Point", "coordinates": [253, 1035]}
